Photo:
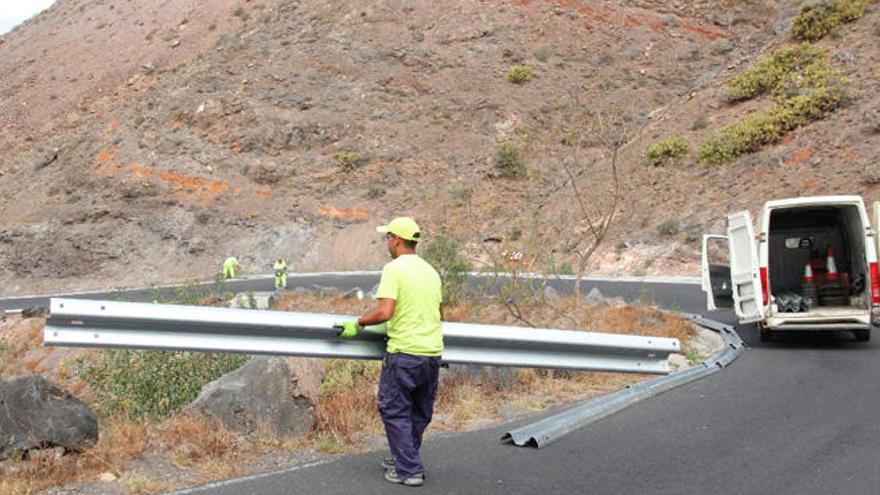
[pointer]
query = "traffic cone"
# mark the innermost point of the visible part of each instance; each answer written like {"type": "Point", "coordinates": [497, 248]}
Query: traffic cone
{"type": "Point", "coordinates": [831, 265]}
{"type": "Point", "coordinates": [810, 291]}
{"type": "Point", "coordinates": [808, 274]}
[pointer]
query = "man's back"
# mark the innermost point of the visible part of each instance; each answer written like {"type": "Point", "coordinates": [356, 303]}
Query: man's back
{"type": "Point", "coordinates": [415, 285]}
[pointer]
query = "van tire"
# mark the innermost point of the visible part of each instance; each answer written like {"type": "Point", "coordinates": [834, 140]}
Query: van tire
{"type": "Point", "coordinates": [765, 334]}
{"type": "Point", "coordinates": [863, 335]}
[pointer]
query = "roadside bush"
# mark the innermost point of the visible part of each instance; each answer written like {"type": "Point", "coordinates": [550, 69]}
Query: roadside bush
{"type": "Point", "coordinates": [818, 18]}
{"type": "Point", "coordinates": [667, 151]}
{"type": "Point", "coordinates": [444, 253]}
{"type": "Point", "coordinates": [152, 384]}
{"type": "Point", "coordinates": [509, 160]}
{"type": "Point", "coordinates": [519, 74]}
{"type": "Point", "coordinates": [804, 88]}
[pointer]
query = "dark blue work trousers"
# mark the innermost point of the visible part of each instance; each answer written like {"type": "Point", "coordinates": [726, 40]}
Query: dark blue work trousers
{"type": "Point", "coordinates": [407, 389]}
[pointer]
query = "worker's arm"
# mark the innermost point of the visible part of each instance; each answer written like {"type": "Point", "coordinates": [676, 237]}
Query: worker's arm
{"type": "Point", "coordinates": [380, 314]}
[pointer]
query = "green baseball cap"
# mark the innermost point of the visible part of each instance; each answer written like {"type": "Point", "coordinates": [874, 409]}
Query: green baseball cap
{"type": "Point", "coordinates": [403, 227]}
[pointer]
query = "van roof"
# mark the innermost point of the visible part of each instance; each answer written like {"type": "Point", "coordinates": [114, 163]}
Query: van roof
{"type": "Point", "coordinates": [814, 200]}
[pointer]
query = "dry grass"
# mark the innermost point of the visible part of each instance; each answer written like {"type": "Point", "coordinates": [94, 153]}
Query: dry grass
{"type": "Point", "coordinates": [197, 440]}
{"type": "Point", "coordinates": [347, 408]}
{"type": "Point", "coordinates": [18, 337]}
{"type": "Point", "coordinates": [119, 441]}
{"type": "Point", "coordinates": [187, 440]}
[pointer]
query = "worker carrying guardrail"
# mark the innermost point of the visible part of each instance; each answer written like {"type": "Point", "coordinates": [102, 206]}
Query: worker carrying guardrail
{"type": "Point", "coordinates": [230, 266]}
{"type": "Point", "coordinates": [409, 300]}
{"type": "Point", "coordinates": [280, 268]}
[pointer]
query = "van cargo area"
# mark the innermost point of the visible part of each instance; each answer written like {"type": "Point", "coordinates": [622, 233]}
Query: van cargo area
{"type": "Point", "coordinates": [798, 236]}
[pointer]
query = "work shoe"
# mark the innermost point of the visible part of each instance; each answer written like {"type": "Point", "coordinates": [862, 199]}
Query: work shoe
{"type": "Point", "coordinates": [417, 479]}
{"type": "Point", "coordinates": [388, 463]}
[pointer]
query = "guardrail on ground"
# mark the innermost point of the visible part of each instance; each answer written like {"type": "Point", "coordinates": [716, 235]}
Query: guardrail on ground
{"type": "Point", "coordinates": [541, 433]}
{"type": "Point", "coordinates": [113, 324]}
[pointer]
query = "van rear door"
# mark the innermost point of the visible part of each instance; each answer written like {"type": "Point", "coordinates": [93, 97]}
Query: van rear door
{"type": "Point", "coordinates": [744, 274]}
{"type": "Point", "coordinates": [876, 225]}
{"type": "Point", "coordinates": [715, 272]}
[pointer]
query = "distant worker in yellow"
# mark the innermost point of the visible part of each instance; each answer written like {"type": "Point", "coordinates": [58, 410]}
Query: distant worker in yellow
{"type": "Point", "coordinates": [230, 266]}
{"type": "Point", "coordinates": [280, 273]}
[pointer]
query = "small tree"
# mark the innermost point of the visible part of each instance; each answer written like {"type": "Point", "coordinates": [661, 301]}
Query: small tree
{"type": "Point", "coordinates": [590, 221]}
{"type": "Point", "coordinates": [591, 193]}
{"type": "Point", "coordinates": [444, 253]}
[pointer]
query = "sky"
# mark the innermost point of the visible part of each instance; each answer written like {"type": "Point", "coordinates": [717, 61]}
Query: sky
{"type": "Point", "coordinates": [13, 12]}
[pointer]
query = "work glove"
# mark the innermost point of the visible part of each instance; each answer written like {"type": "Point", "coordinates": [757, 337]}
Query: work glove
{"type": "Point", "coordinates": [348, 329]}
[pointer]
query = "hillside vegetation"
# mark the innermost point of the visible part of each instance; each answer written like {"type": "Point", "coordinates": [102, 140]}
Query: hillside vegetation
{"type": "Point", "coordinates": [148, 140]}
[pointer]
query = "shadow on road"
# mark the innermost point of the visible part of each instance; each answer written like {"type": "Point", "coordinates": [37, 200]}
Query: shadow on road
{"type": "Point", "coordinates": [843, 340]}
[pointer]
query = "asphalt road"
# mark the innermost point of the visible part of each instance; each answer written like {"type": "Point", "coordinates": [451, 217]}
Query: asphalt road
{"type": "Point", "coordinates": [796, 416]}
{"type": "Point", "coordinates": [666, 293]}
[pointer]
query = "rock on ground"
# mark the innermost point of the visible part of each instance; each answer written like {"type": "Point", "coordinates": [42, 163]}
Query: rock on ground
{"type": "Point", "coordinates": [496, 376]}
{"type": "Point", "coordinates": [259, 397]}
{"type": "Point", "coordinates": [35, 414]}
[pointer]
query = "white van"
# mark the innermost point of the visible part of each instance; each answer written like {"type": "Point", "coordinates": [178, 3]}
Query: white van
{"type": "Point", "coordinates": [766, 279]}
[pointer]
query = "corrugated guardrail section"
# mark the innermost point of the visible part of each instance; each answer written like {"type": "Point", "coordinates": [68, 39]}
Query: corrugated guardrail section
{"type": "Point", "coordinates": [545, 431]}
{"type": "Point", "coordinates": [113, 324]}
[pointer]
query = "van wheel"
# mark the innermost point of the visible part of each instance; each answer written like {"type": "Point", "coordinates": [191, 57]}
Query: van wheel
{"type": "Point", "coordinates": [863, 335]}
{"type": "Point", "coordinates": [766, 336]}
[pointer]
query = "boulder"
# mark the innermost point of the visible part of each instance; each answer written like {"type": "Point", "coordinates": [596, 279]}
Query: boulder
{"type": "Point", "coordinates": [550, 293]}
{"type": "Point", "coordinates": [261, 300]}
{"type": "Point", "coordinates": [259, 397]}
{"type": "Point", "coordinates": [35, 414]}
{"type": "Point", "coordinates": [594, 297]}
{"type": "Point", "coordinates": [33, 312]}
{"type": "Point", "coordinates": [306, 375]}
{"type": "Point", "coordinates": [498, 377]}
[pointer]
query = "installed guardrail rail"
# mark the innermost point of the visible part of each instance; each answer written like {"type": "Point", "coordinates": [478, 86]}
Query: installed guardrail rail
{"type": "Point", "coordinates": [113, 324]}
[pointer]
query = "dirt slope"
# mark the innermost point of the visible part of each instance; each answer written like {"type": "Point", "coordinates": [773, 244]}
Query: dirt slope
{"type": "Point", "coordinates": [148, 140]}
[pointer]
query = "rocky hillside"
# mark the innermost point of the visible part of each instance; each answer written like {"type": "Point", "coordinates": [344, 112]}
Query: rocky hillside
{"type": "Point", "coordinates": [147, 140]}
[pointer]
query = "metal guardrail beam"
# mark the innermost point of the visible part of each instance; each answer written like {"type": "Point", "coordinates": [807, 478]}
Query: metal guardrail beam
{"type": "Point", "coordinates": [545, 431]}
{"type": "Point", "coordinates": [112, 324]}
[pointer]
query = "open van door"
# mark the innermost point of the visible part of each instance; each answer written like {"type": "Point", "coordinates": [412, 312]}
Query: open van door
{"type": "Point", "coordinates": [876, 225]}
{"type": "Point", "coordinates": [744, 274]}
{"type": "Point", "coordinates": [715, 272]}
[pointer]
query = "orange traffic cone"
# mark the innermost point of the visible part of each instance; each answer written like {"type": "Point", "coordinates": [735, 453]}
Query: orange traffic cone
{"type": "Point", "coordinates": [831, 265]}
{"type": "Point", "coordinates": [808, 274]}
{"type": "Point", "coordinates": [810, 291]}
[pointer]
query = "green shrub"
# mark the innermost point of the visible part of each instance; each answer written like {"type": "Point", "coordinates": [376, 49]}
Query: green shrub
{"type": "Point", "coordinates": [509, 160]}
{"type": "Point", "coordinates": [153, 384]}
{"type": "Point", "coordinates": [667, 151]}
{"type": "Point", "coordinates": [349, 160]}
{"type": "Point", "coordinates": [241, 14]}
{"type": "Point", "coordinates": [444, 253]}
{"type": "Point", "coordinates": [519, 74]}
{"type": "Point", "coordinates": [570, 138]}
{"type": "Point", "coordinates": [375, 191]}
{"type": "Point", "coordinates": [818, 18]}
{"type": "Point", "coordinates": [808, 63]}
{"type": "Point", "coordinates": [804, 88]}
{"type": "Point", "coordinates": [668, 228]}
